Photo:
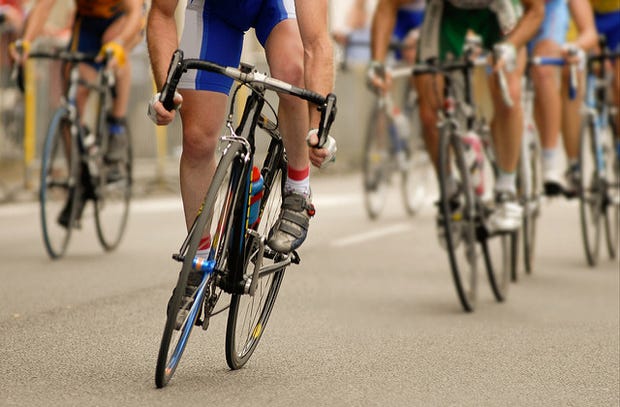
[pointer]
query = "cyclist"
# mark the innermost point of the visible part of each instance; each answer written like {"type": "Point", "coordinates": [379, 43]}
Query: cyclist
{"type": "Point", "coordinates": [298, 52]}
{"type": "Point", "coordinates": [442, 36]}
{"type": "Point", "coordinates": [99, 25]}
{"type": "Point", "coordinates": [554, 109]}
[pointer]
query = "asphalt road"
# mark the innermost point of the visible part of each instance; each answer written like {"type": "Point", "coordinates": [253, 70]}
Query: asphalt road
{"type": "Point", "coordinates": [369, 318]}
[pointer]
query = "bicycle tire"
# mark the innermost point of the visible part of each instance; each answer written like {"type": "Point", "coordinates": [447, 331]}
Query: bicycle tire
{"type": "Point", "coordinates": [213, 208]}
{"type": "Point", "coordinates": [376, 161]}
{"type": "Point", "coordinates": [416, 176]}
{"type": "Point", "coordinates": [112, 200]}
{"type": "Point", "coordinates": [612, 191]}
{"type": "Point", "coordinates": [459, 226]}
{"type": "Point", "coordinates": [500, 260]}
{"type": "Point", "coordinates": [59, 185]}
{"type": "Point", "coordinates": [590, 194]}
{"type": "Point", "coordinates": [529, 186]}
{"type": "Point", "coordinates": [253, 312]}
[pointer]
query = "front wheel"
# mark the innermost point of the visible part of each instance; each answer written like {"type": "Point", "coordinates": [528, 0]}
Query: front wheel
{"type": "Point", "coordinates": [60, 189]}
{"type": "Point", "coordinates": [112, 196]}
{"type": "Point", "coordinates": [377, 161]}
{"type": "Point", "coordinates": [529, 189]}
{"type": "Point", "coordinates": [500, 259]}
{"type": "Point", "coordinates": [457, 222]}
{"type": "Point", "coordinates": [214, 220]}
{"type": "Point", "coordinates": [248, 314]}
{"type": "Point", "coordinates": [612, 194]}
{"type": "Point", "coordinates": [591, 191]}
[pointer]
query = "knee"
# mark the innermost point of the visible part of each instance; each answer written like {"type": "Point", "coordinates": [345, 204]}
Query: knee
{"type": "Point", "coordinates": [542, 75]}
{"type": "Point", "coordinates": [198, 143]}
{"type": "Point", "coordinates": [290, 70]}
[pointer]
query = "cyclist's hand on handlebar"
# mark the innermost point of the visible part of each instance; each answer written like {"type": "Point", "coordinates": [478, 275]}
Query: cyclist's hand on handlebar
{"type": "Point", "coordinates": [378, 77]}
{"type": "Point", "coordinates": [116, 52]}
{"type": "Point", "coordinates": [573, 54]}
{"type": "Point", "coordinates": [19, 51]}
{"type": "Point", "coordinates": [319, 157]}
{"type": "Point", "coordinates": [505, 55]}
{"type": "Point", "coordinates": [158, 113]}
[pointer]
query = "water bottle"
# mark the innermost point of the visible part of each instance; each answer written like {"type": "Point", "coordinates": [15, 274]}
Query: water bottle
{"type": "Point", "coordinates": [331, 147]}
{"type": "Point", "coordinates": [92, 150]}
{"type": "Point", "coordinates": [256, 194]}
{"type": "Point", "coordinates": [402, 128]}
{"type": "Point", "coordinates": [474, 160]}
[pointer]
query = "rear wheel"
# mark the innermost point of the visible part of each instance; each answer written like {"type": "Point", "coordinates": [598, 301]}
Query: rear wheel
{"type": "Point", "coordinates": [248, 314]}
{"type": "Point", "coordinates": [112, 196]}
{"type": "Point", "coordinates": [60, 188]}
{"type": "Point", "coordinates": [377, 161]}
{"type": "Point", "coordinates": [214, 220]}
{"type": "Point", "coordinates": [458, 219]}
{"type": "Point", "coordinates": [591, 193]}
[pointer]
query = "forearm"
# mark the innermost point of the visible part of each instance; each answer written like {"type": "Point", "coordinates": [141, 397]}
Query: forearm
{"type": "Point", "coordinates": [132, 24]}
{"type": "Point", "coordinates": [528, 24]}
{"type": "Point", "coordinates": [318, 50]}
{"type": "Point", "coordinates": [36, 20]}
{"type": "Point", "coordinates": [582, 14]}
{"type": "Point", "coordinates": [161, 36]}
{"type": "Point", "coordinates": [383, 23]}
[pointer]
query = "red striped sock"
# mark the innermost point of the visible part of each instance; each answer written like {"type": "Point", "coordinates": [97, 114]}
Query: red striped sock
{"type": "Point", "coordinates": [298, 180]}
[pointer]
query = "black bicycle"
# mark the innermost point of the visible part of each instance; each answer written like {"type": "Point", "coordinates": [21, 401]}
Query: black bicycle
{"type": "Point", "coordinates": [73, 169]}
{"type": "Point", "coordinates": [239, 263]}
{"type": "Point", "coordinates": [465, 149]}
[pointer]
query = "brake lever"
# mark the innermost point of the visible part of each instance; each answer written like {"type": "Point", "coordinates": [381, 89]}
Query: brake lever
{"type": "Point", "coordinates": [167, 92]}
{"type": "Point", "coordinates": [328, 115]}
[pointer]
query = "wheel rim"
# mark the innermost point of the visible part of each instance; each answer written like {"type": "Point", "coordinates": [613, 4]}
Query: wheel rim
{"type": "Point", "coordinates": [377, 162]}
{"type": "Point", "coordinates": [58, 181]}
{"type": "Point", "coordinates": [459, 227]}
{"type": "Point", "coordinates": [590, 201]}
{"type": "Point", "coordinates": [249, 314]}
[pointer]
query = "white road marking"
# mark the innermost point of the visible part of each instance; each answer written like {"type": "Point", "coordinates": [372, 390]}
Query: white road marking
{"type": "Point", "coordinates": [371, 235]}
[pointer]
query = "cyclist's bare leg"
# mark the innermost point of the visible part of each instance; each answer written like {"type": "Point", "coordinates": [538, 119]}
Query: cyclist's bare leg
{"type": "Point", "coordinates": [430, 96]}
{"type": "Point", "coordinates": [571, 115]}
{"type": "Point", "coordinates": [284, 53]}
{"type": "Point", "coordinates": [507, 123]}
{"type": "Point", "coordinates": [123, 74]}
{"type": "Point", "coordinates": [202, 116]}
{"type": "Point", "coordinates": [547, 102]}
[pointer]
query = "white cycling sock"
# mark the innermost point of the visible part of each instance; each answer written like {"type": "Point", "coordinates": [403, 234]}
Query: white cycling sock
{"type": "Point", "coordinates": [298, 181]}
{"type": "Point", "coordinates": [549, 160]}
{"type": "Point", "coordinates": [506, 182]}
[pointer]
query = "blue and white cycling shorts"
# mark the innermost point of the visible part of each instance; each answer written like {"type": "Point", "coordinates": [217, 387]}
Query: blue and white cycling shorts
{"type": "Point", "coordinates": [555, 25]}
{"type": "Point", "coordinates": [609, 25]}
{"type": "Point", "coordinates": [407, 20]}
{"type": "Point", "coordinates": [214, 31]}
